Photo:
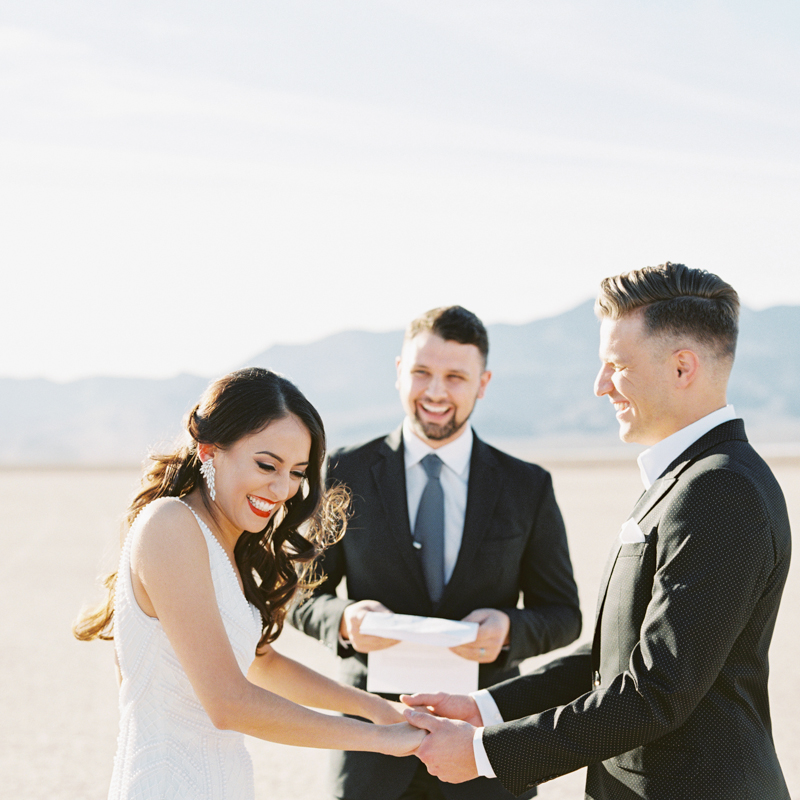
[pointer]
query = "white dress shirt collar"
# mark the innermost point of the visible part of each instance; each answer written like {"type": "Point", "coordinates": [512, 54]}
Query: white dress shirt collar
{"type": "Point", "coordinates": [655, 460]}
{"type": "Point", "coordinates": [455, 454]}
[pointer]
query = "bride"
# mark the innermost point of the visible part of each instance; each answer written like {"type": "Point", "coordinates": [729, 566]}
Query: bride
{"type": "Point", "coordinates": [212, 556]}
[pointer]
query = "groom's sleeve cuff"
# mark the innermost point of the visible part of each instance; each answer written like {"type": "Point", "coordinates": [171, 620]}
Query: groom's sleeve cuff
{"type": "Point", "coordinates": [481, 759]}
{"type": "Point", "coordinates": [490, 715]}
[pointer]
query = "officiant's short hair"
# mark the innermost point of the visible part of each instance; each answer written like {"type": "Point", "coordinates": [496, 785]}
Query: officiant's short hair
{"type": "Point", "coordinates": [454, 324]}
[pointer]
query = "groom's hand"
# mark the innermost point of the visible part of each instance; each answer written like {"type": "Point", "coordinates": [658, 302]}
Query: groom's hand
{"type": "Point", "coordinates": [453, 706]}
{"type": "Point", "coordinates": [447, 749]}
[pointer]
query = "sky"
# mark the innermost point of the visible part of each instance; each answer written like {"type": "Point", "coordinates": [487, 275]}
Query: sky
{"type": "Point", "coordinates": [184, 184]}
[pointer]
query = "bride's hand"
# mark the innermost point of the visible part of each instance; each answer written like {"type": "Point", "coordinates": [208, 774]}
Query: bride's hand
{"type": "Point", "coordinates": [387, 712]}
{"type": "Point", "coordinates": [401, 740]}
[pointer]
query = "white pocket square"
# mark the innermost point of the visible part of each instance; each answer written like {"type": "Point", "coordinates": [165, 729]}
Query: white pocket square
{"type": "Point", "coordinates": [631, 533]}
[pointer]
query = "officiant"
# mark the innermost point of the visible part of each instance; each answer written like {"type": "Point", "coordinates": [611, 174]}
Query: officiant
{"type": "Point", "coordinates": [443, 525]}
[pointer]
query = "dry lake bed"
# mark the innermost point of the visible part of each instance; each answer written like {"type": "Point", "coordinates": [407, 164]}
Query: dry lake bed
{"type": "Point", "coordinates": [60, 529]}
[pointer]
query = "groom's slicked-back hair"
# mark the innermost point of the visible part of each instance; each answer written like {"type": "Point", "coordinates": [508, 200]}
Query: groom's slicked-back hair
{"type": "Point", "coordinates": [454, 324]}
{"type": "Point", "coordinates": [676, 301]}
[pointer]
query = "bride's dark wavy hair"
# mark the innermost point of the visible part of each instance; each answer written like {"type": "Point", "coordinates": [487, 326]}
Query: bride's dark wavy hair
{"type": "Point", "coordinates": [278, 561]}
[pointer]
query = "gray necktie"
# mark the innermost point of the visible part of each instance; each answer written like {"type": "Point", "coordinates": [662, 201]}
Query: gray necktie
{"type": "Point", "coordinates": [429, 528]}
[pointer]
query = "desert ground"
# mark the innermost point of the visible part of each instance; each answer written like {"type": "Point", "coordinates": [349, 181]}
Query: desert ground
{"type": "Point", "coordinates": [60, 529]}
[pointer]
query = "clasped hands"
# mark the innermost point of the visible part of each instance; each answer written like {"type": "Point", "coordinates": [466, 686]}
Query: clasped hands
{"type": "Point", "coordinates": [450, 721]}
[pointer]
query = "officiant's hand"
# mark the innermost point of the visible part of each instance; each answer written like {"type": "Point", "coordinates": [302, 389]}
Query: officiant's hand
{"type": "Point", "coordinates": [452, 706]}
{"type": "Point", "coordinates": [350, 627]}
{"type": "Point", "coordinates": [494, 631]}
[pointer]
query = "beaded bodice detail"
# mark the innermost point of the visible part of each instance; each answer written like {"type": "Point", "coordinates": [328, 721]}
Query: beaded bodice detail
{"type": "Point", "coordinates": [168, 746]}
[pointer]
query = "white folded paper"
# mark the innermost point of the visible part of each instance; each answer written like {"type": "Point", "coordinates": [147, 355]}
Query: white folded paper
{"type": "Point", "coordinates": [421, 662]}
{"type": "Point", "coordinates": [422, 630]}
{"type": "Point", "coordinates": [631, 533]}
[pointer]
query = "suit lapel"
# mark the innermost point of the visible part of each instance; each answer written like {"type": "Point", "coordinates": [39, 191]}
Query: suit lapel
{"type": "Point", "coordinates": [734, 429]}
{"type": "Point", "coordinates": [649, 499]}
{"type": "Point", "coordinates": [389, 476]}
{"type": "Point", "coordinates": [728, 431]}
{"type": "Point", "coordinates": [482, 497]}
{"type": "Point", "coordinates": [644, 504]}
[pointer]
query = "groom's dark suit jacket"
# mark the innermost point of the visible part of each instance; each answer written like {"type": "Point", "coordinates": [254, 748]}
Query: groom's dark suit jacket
{"type": "Point", "coordinates": [671, 701]}
{"type": "Point", "coordinates": [514, 541]}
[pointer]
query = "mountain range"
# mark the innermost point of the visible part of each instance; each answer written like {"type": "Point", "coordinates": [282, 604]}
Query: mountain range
{"type": "Point", "coordinates": [541, 392]}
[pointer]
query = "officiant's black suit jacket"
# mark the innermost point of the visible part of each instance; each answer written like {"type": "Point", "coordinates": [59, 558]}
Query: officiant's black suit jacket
{"type": "Point", "coordinates": [680, 648]}
{"type": "Point", "coordinates": [514, 541]}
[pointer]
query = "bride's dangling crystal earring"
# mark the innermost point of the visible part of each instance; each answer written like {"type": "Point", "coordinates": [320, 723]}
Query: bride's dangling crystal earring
{"type": "Point", "coordinates": [207, 471]}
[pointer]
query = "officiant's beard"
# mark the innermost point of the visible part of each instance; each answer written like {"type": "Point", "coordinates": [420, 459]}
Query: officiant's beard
{"type": "Point", "coordinates": [435, 432]}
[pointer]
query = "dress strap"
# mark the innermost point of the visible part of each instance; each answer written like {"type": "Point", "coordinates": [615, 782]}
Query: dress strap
{"type": "Point", "coordinates": [196, 515]}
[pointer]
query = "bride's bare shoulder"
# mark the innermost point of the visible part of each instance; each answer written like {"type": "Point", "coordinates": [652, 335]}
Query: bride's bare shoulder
{"type": "Point", "coordinates": [168, 528]}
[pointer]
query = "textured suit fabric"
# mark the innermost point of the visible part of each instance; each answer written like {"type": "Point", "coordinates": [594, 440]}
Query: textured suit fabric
{"type": "Point", "coordinates": [514, 541]}
{"type": "Point", "coordinates": [684, 624]}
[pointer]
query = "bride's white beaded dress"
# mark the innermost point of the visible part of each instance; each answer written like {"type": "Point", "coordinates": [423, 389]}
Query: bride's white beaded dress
{"type": "Point", "coordinates": [168, 746]}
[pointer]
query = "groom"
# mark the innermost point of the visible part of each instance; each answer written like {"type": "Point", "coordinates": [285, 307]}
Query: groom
{"type": "Point", "coordinates": [670, 701]}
